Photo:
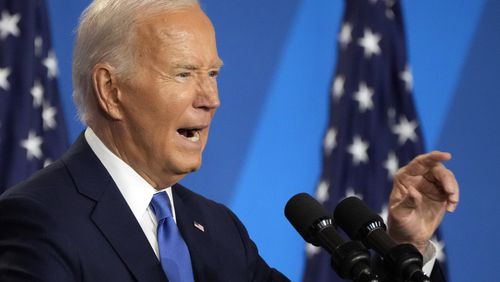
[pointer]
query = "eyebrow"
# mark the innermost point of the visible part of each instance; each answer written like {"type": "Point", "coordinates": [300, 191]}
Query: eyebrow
{"type": "Point", "coordinates": [187, 66]}
{"type": "Point", "coordinates": [218, 64]}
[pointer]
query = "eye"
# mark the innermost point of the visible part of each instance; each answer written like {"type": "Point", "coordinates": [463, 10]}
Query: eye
{"type": "Point", "coordinates": [184, 74]}
{"type": "Point", "coordinates": [213, 73]}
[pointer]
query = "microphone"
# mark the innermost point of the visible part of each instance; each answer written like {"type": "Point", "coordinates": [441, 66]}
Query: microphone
{"type": "Point", "coordinates": [361, 223]}
{"type": "Point", "coordinates": [350, 260]}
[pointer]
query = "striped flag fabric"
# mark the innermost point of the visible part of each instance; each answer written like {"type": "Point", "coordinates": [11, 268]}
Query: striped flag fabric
{"type": "Point", "coordinates": [373, 127]}
{"type": "Point", "coordinates": [32, 129]}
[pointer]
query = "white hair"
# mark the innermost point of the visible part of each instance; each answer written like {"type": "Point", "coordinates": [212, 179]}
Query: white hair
{"type": "Point", "coordinates": [105, 34]}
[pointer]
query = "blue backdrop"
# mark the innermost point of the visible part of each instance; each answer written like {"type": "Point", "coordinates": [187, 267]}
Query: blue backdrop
{"type": "Point", "coordinates": [265, 142]}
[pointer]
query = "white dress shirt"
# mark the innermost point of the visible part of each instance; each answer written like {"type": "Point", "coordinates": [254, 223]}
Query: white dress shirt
{"type": "Point", "coordinates": [136, 191]}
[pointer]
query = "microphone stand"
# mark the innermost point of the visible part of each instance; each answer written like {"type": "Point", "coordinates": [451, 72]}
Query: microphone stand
{"type": "Point", "coordinates": [407, 262]}
{"type": "Point", "coordinates": [351, 260]}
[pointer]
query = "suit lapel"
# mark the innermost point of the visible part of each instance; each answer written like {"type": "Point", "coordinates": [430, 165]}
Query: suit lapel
{"type": "Point", "coordinates": [112, 214]}
{"type": "Point", "coordinates": [195, 233]}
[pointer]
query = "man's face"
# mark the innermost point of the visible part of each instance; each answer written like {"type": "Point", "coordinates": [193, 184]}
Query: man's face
{"type": "Point", "coordinates": [171, 95]}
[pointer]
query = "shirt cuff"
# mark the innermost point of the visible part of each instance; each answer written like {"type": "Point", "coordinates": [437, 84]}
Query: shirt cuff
{"type": "Point", "coordinates": [429, 258]}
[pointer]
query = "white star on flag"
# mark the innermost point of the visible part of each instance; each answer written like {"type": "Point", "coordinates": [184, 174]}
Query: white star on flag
{"type": "Point", "coordinates": [322, 192]}
{"type": "Point", "coordinates": [37, 93]}
{"type": "Point", "coordinates": [407, 77]}
{"type": "Point", "coordinates": [4, 75]}
{"type": "Point", "coordinates": [405, 130]}
{"type": "Point", "coordinates": [38, 45]}
{"type": "Point", "coordinates": [8, 24]}
{"type": "Point", "coordinates": [389, 13]}
{"type": "Point", "coordinates": [47, 162]}
{"type": "Point", "coordinates": [349, 192]}
{"type": "Point", "coordinates": [369, 42]}
{"type": "Point", "coordinates": [48, 116]}
{"type": "Point", "coordinates": [32, 145]}
{"type": "Point", "coordinates": [51, 64]}
{"type": "Point", "coordinates": [391, 113]}
{"type": "Point", "coordinates": [330, 141]}
{"type": "Point", "coordinates": [312, 250]}
{"type": "Point", "coordinates": [338, 86]}
{"type": "Point", "coordinates": [358, 150]}
{"type": "Point", "coordinates": [364, 97]}
{"type": "Point", "coordinates": [391, 164]}
{"type": "Point", "coordinates": [439, 245]}
{"type": "Point", "coordinates": [345, 36]}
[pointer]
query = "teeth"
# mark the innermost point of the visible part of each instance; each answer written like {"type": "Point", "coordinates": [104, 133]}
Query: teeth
{"type": "Point", "coordinates": [195, 137]}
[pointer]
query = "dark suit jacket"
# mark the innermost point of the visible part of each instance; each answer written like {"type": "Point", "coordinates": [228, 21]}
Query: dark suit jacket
{"type": "Point", "coordinates": [69, 222]}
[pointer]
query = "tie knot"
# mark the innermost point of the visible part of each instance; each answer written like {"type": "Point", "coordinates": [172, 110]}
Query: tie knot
{"type": "Point", "coordinates": [161, 206]}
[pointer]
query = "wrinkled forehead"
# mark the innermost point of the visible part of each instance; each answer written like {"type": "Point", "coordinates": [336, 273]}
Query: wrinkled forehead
{"type": "Point", "coordinates": [177, 25]}
{"type": "Point", "coordinates": [187, 31]}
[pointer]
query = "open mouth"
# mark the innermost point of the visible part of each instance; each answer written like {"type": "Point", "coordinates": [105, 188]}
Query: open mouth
{"type": "Point", "coordinates": [191, 134]}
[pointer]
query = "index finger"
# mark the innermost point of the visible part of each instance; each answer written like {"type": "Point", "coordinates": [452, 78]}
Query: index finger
{"type": "Point", "coordinates": [423, 163]}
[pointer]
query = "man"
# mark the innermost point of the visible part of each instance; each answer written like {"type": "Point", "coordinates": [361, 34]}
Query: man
{"type": "Point", "coordinates": [144, 74]}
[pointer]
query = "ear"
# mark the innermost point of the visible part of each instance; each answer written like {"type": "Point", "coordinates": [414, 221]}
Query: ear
{"type": "Point", "coordinates": [108, 95]}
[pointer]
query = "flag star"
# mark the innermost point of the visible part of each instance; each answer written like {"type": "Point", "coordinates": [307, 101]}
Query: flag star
{"type": "Point", "coordinates": [4, 82]}
{"type": "Point", "coordinates": [390, 3]}
{"type": "Point", "coordinates": [38, 45]}
{"type": "Point", "coordinates": [51, 64]}
{"type": "Point", "coordinates": [32, 145]}
{"type": "Point", "coordinates": [8, 24]}
{"type": "Point", "coordinates": [47, 162]}
{"type": "Point", "coordinates": [312, 250]}
{"type": "Point", "coordinates": [48, 116]}
{"type": "Point", "coordinates": [364, 97]}
{"type": "Point", "coordinates": [391, 164]}
{"type": "Point", "coordinates": [391, 113]}
{"type": "Point", "coordinates": [369, 42]}
{"type": "Point", "coordinates": [358, 149]}
{"type": "Point", "coordinates": [407, 77]}
{"type": "Point", "coordinates": [384, 213]}
{"type": "Point", "coordinates": [389, 14]}
{"type": "Point", "coordinates": [322, 191]}
{"type": "Point", "coordinates": [350, 192]}
{"type": "Point", "coordinates": [338, 86]}
{"type": "Point", "coordinates": [439, 245]}
{"type": "Point", "coordinates": [405, 130]}
{"type": "Point", "coordinates": [345, 36]}
{"type": "Point", "coordinates": [37, 93]}
{"type": "Point", "coordinates": [330, 141]}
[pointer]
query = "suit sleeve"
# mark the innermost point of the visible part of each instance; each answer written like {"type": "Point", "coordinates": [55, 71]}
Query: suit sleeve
{"type": "Point", "coordinates": [257, 267]}
{"type": "Point", "coordinates": [31, 248]}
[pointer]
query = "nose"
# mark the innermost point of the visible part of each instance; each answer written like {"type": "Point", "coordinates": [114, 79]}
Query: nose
{"type": "Point", "coordinates": [207, 95]}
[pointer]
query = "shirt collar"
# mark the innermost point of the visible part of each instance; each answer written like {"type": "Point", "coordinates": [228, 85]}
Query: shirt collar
{"type": "Point", "coordinates": [135, 189]}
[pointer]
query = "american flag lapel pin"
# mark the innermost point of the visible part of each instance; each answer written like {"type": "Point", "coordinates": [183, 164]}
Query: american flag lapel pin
{"type": "Point", "coordinates": [199, 226]}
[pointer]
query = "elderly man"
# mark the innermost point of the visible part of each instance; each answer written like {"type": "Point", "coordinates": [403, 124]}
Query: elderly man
{"type": "Point", "coordinates": [145, 78]}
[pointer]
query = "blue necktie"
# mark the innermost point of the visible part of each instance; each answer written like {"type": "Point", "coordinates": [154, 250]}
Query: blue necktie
{"type": "Point", "coordinates": [174, 254]}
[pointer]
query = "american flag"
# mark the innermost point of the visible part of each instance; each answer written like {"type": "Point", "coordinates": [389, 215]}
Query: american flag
{"type": "Point", "coordinates": [373, 126]}
{"type": "Point", "coordinates": [32, 129]}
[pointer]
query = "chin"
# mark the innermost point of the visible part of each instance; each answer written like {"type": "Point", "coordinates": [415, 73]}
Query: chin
{"type": "Point", "coordinates": [192, 166]}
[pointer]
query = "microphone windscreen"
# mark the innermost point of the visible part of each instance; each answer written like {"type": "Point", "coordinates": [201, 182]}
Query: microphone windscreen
{"type": "Point", "coordinates": [353, 215]}
{"type": "Point", "coordinates": [303, 211]}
